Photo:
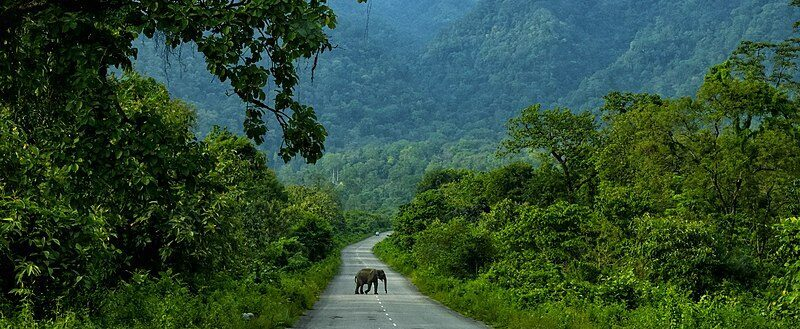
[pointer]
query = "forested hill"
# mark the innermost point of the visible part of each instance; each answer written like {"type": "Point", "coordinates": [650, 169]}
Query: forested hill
{"type": "Point", "coordinates": [499, 56]}
{"type": "Point", "coordinates": [505, 55]}
{"type": "Point", "coordinates": [432, 64]}
{"type": "Point", "coordinates": [357, 89]}
{"type": "Point", "coordinates": [414, 84]}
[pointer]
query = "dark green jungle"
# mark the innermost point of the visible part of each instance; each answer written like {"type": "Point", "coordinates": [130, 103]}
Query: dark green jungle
{"type": "Point", "coordinates": [553, 164]}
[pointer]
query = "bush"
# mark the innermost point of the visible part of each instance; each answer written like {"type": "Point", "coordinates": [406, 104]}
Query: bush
{"type": "Point", "coordinates": [786, 286]}
{"type": "Point", "coordinates": [528, 277]}
{"type": "Point", "coordinates": [418, 214]}
{"type": "Point", "coordinates": [678, 251]}
{"type": "Point", "coordinates": [453, 248]}
{"type": "Point", "coordinates": [621, 204]}
{"type": "Point", "coordinates": [313, 232]}
{"type": "Point", "coordinates": [561, 233]}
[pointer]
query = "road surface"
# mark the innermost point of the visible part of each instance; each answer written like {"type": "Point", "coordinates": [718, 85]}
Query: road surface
{"type": "Point", "coordinates": [403, 307]}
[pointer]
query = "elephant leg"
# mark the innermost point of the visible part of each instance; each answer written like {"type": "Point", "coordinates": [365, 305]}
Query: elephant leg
{"type": "Point", "coordinates": [376, 286]}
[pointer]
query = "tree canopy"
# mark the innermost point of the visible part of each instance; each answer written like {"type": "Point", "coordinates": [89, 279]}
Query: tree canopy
{"type": "Point", "coordinates": [64, 50]}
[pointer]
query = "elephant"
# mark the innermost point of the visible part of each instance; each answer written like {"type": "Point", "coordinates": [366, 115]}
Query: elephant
{"type": "Point", "coordinates": [370, 276]}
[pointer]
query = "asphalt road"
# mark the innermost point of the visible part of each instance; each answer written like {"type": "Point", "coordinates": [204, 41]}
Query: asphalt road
{"type": "Point", "coordinates": [403, 307]}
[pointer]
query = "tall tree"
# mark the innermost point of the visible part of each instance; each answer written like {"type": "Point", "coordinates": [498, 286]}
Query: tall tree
{"type": "Point", "coordinates": [56, 55]}
{"type": "Point", "coordinates": [567, 137]}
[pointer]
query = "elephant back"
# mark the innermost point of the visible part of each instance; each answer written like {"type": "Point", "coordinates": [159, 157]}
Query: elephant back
{"type": "Point", "coordinates": [367, 274]}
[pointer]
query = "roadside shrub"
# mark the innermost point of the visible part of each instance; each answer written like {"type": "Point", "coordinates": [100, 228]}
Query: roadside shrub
{"type": "Point", "coordinates": [415, 216]}
{"type": "Point", "coordinates": [527, 276]}
{"type": "Point", "coordinates": [620, 288]}
{"type": "Point", "coordinates": [674, 250]}
{"type": "Point", "coordinates": [50, 252]}
{"type": "Point", "coordinates": [786, 286]}
{"type": "Point", "coordinates": [454, 248]}
{"type": "Point", "coordinates": [313, 232]}
{"type": "Point", "coordinates": [561, 232]}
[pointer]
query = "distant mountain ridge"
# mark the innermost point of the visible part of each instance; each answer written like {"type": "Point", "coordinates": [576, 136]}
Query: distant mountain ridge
{"type": "Point", "coordinates": [520, 52]}
{"type": "Point", "coordinates": [416, 70]}
{"type": "Point", "coordinates": [497, 56]}
{"type": "Point", "coordinates": [447, 105]}
{"type": "Point", "coordinates": [430, 83]}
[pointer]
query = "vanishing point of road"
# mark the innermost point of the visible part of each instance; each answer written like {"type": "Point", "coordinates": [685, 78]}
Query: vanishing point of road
{"type": "Point", "coordinates": [403, 307]}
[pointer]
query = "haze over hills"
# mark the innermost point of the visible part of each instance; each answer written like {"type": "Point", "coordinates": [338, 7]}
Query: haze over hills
{"type": "Point", "coordinates": [435, 79]}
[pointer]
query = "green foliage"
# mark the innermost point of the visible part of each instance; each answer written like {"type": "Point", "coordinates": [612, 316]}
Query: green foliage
{"type": "Point", "coordinates": [435, 179]}
{"type": "Point", "coordinates": [380, 177]}
{"type": "Point", "coordinates": [139, 196]}
{"type": "Point", "coordinates": [455, 248]}
{"type": "Point", "coordinates": [83, 225]}
{"type": "Point", "coordinates": [512, 182]}
{"type": "Point", "coordinates": [566, 137]}
{"type": "Point", "coordinates": [621, 204]}
{"type": "Point", "coordinates": [786, 301]}
{"type": "Point", "coordinates": [318, 202]}
{"type": "Point", "coordinates": [315, 233]}
{"type": "Point", "coordinates": [416, 216]}
{"type": "Point", "coordinates": [54, 47]}
{"type": "Point", "coordinates": [675, 214]}
{"type": "Point", "coordinates": [482, 299]}
{"type": "Point", "coordinates": [52, 249]}
{"type": "Point", "coordinates": [557, 233]}
{"type": "Point", "coordinates": [362, 222]}
{"type": "Point", "coordinates": [676, 250]}
{"type": "Point", "coordinates": [169, 302]}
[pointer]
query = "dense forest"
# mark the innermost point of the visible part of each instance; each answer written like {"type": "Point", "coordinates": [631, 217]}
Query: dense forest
{"type": "Point", "coordinates": [114, 213]}
{"type": "Point", "coordinates": [439, 79]}
{"type": "Point", "coordinates": [610, 163]}
{"type": "Point", "coordinates": [658, 212]}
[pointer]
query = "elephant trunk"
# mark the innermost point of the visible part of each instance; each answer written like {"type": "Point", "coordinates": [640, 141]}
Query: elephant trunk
{"type": "Point", "coordinates": [384, 286]}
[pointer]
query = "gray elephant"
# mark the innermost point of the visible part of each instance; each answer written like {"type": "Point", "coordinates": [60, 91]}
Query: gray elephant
{"type": "Point", "coordinates": [369, 276]}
